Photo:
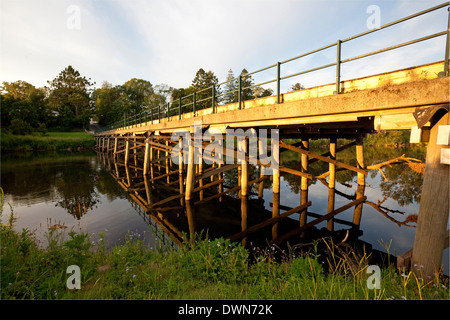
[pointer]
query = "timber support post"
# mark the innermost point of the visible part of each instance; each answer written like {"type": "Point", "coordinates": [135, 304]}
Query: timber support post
{"type": "Point", "coordinates": [190, 175]}
{"type": "Point", "coordinates": [127, 150]}
{"type": "Point", "coordinates": [146, 156]}
{"type": "Point", "coordinates": [431, 233]}
{"type": "Point", "coordinates": [360, 159]}
{"type": "Point", "coordinates": [243, 146]}
{"type": "Point", "coordinates": [116, 141]}
{"type": "Point", "coordinates": [180, 168]}
{"type": "Point", "coordinates": [275, 186]}
{"type": "Point", "coordinates": [304, 183]}
{"type": "Point", "coordinates": [331, 183]}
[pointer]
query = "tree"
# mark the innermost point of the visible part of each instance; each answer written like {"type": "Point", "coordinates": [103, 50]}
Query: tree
{"type": "Point", "coordinates": [17, 90]}
{"type": "Point", "coordinates": [163, 90]}
{"type": "Point", "coordinates": [180, 93]}
{"type": "Point", "coordinates": [21, 100]}
{"type": "Point", "coordinates": [231, 86]}
{"type": "Point", "coordinates": [70, 91]}
{"type": "Point", "coordinates": [296, 86]}
{"type": "Point", "coordinates": [138, 93]}
{"type": "Point", "coordinates": [110, 103]}
{"type": "Point", "coordinates": [160, 97]}
{"type": "Point", "coordinates": [204, 80]}
{"type": "Point", "coordinates": [246, 81]}
{"type": "Point", "coordinates": [260, 92]}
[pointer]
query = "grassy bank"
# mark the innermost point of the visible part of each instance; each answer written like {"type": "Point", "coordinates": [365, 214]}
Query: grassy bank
{"type": "Point", "coordinates": [206, 269]}
{"type": "Point", "coordinates": [48, 142]}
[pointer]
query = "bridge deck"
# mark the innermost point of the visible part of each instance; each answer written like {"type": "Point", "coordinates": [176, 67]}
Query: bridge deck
{"type": "Point", "coordinates": [385, 101]}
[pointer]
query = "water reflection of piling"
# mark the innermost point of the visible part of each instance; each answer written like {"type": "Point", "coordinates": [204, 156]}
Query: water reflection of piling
{"type": "Point", "coordinates": [193, 183]}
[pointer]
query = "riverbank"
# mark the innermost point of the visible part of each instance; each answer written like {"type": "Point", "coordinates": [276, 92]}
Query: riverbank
{"type": "Point", "coordinates": [51, 141]}
{"type": "Point", "coordinates": [205, 269]}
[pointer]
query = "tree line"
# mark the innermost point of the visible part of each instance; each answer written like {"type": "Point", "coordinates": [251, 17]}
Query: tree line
{"type": "Point", "coordinates": [70, 100]}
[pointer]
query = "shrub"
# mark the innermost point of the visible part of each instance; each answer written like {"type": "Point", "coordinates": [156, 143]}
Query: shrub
{"type": "Point", "coordinates": [219, 260]}
{"type": "Point", "coordinates": [19, 126]}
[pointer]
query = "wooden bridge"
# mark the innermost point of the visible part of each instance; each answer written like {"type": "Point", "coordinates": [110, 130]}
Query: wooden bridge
{"type": "Point", "coordinates": [415, 98]}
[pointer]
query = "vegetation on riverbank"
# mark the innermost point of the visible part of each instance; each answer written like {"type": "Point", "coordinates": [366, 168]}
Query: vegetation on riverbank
{"type": "Point", "coordinates": [48, 142]}
{"type": "Point", "coordinates": [391, 138]}
{"type": "Point", "coordinates": [204, 269]}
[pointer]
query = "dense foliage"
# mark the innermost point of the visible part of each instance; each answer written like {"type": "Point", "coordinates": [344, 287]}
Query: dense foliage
{"type": "Point", "coordinates": [71, 100]}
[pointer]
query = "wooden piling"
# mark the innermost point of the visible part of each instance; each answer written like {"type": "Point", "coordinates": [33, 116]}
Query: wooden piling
{"type": "Point", "coordinates": [304, 164]}
{"type": "Point", "coordinates": [167, 161]}
{"type": "Point", "coordinates": [152, 171]}
{"type": "Point", "coordinates": [261, 184]}
{"type": "Point", "coordinates": [134, 150]}
{"type": "Point", "coordinates": [127, 150]}
{"type": "Point", "coordinates": [276, 171]}
{"type": "Point", "coordinates": [275, 214]}
{"type": "Point", "coordinates": [180, 168]}
{"type": "Point", "coordinates": [147, 191]}
{"type": "Point", "coordinates": [331, 182]}
{"type": "Point", "coordinates": [220, 174]}
{"type": "Point", "coordinates": [431, 232]}
{"type": "Point", "coordinates": [360, 159]}
{"type": "Point", "coordinates": [200, 172]}
{"type": "Point", "coordinates": [146, 157]}
{"type": "Point", "coordinates": [116, 143]}
{"type": "Point", "coordinates": [304, 184]}
{"type": "Point", "coordinates": [244, 218]}
{"type": "Point", "coordinates": [190, 212]}
{"type": "Point", "coordinates": [331, 200]}
{"type": "Point", "coordinates": [332, 166]}
{"type": "Point", "coordinates": [244, 167]}
{"type": "Point", "coordinates": [190, 176]}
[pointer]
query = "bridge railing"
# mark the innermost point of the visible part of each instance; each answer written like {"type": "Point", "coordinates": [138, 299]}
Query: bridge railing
{"type": "Point", "coordinates": [211, 96]}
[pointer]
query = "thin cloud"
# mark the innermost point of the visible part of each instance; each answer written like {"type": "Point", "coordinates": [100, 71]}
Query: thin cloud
{"type": "Point", "coordinates": [168, 41]}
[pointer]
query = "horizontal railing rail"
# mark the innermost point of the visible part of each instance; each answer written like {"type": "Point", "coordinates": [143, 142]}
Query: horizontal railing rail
{"type": "Point", "coordinates": [214, 95]}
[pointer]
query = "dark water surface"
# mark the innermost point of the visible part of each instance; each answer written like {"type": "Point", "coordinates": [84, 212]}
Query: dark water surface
{"type": "Point", "coordinates": [78, 191]}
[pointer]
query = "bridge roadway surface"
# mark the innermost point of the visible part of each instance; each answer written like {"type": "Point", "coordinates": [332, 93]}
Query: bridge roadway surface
{"type": "Point", "coordinates": [384, 101]}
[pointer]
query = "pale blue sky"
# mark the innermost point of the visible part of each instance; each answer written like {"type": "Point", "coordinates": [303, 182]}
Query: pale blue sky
{"type": "Point", "coordinates": [168, 41]}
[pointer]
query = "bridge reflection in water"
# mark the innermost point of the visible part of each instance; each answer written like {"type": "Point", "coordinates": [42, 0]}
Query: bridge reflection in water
{"type": "Point", "coordinates": [415, 98]}
{"type": "Point", "coordinates": [219, 210]}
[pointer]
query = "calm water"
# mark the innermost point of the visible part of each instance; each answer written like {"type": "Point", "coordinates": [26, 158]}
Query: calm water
{"type": "Point", "coordinates": [78, 190]}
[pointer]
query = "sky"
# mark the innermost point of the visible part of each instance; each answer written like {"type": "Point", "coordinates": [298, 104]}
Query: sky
{"type": "Point", "coordinates": [168, 41]}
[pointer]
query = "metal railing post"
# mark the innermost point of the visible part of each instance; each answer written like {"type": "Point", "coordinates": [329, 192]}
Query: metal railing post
{"type": "Point", "coordinates": [447, 48]}
{"type": "Point", "coordinates": [338, 67]}
{"type": "Point", "coordinates": [159, 113]}
{"type": "Point", "coordinates": [240, 92]}
{"type": "Point", "coordinates": [278, 82]}
{"type": "Point", "coordinates": [179, 109]}
{"type": "Point", "coordinates": [168, 109]}
{"type": "Point", "coordinates": [214, 98]}
{"type": "Point", "coordinates": [194, 103]}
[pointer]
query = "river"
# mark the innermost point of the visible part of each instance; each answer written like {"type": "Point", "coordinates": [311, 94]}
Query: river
{"type": "Point", "coordinates": [77, 191]}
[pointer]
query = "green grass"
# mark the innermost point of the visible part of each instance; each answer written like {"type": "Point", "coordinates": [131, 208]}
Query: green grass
{"type": "Point", "coordinates": [204, 269]}
{"type": "Point", "coordinates": [48, 142]}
